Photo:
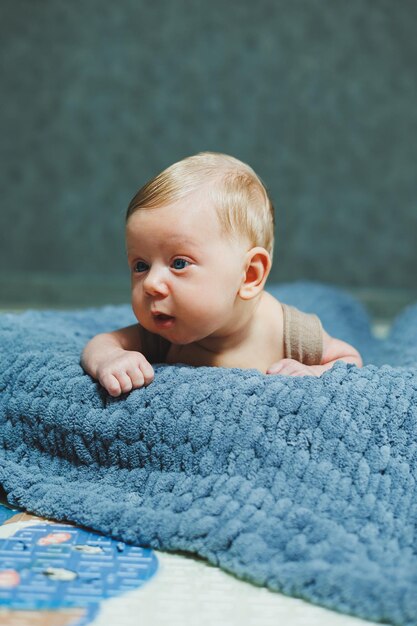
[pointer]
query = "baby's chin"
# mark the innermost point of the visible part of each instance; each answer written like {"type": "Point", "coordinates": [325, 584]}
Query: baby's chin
{"type": "Point", "coordinates": [179, 340]}
{"type": "Point", "coordinates": [174, 334]}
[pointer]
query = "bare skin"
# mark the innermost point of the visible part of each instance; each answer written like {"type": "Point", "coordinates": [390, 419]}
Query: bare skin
{"type": "Point", "coordinates": [212, 287]}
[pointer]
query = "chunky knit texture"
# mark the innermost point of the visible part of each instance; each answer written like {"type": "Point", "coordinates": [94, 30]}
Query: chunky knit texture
{"type": "Point", "coordinates": [305, 485]}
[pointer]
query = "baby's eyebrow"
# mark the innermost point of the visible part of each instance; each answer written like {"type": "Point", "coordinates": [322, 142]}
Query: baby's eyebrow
{"type": "Point", "coordinates": [178, 240]}
{"type": "Point", "coordinates": [174, 240]}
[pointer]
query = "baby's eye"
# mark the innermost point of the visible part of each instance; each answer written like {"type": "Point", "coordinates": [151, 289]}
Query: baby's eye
{"type": "Point", "coordinates": [139, 266]}
{"type": "Point", "coordinates": [179, 261]}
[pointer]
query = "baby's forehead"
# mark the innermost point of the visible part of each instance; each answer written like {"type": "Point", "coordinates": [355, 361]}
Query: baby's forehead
{"type": "Point", "coordinates": [188, 240]}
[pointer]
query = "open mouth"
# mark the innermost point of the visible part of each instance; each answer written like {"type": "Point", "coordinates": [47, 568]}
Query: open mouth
{"type": "Point", "coordinates": [163, 321]}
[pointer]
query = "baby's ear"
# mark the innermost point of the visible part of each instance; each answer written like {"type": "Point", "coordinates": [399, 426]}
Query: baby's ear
{"type": "Point", "coordinates": [257, 267]}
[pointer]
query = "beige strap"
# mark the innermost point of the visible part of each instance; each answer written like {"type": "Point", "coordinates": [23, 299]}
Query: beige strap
{"type": "Point", "coordinates": [303, 336]}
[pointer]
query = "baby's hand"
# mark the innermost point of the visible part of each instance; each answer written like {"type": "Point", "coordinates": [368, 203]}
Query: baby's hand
{"type": "Point", "coordinates": [291, 367]}
{"type": "Point", "coordinates": [124, 370]}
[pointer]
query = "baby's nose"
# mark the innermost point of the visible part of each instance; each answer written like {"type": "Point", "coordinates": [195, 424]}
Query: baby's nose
{"type": "Point", "coordinates": [154, 283]}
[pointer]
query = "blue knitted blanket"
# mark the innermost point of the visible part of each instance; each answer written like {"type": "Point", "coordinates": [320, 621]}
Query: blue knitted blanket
{"type": "Point", "coordinates": [304, 485]}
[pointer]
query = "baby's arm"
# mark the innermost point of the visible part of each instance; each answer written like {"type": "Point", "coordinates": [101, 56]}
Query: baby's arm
{"type": "Point", "coordinates": [115, 360]}
{"type": "Point", "coordinates": [333, 350]}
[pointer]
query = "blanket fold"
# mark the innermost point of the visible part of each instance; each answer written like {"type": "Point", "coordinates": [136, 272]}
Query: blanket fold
{"type": "Point", "coordinates": [304, 485]}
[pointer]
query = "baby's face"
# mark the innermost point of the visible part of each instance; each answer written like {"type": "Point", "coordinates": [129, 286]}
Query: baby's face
{"type": "Point", "coordinates": [182, 266]}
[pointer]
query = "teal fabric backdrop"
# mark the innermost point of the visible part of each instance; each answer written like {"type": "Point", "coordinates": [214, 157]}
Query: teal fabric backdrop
{"type": "Point", "coordinates": [318, 96]}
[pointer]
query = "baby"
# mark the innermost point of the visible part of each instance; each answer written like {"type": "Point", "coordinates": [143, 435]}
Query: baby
{"type": "Point", "coordinates": [199, 240]}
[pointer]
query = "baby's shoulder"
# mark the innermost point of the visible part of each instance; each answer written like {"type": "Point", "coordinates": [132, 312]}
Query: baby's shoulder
{"type": "Point", "coordinates": [271, 326]}
{"type": "Point", "coordinates": [303, 335]}
{"type": "Point", "coordinates": [299, 334]}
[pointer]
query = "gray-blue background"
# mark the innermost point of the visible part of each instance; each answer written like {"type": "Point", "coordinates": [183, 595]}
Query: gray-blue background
{"type": "Point", "coordinates": [319, 96]}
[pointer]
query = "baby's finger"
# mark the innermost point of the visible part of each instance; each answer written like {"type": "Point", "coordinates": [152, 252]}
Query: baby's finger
{"type": "Point", "coordinates": [275, 368]}
{"type": "Point", "coordinates": [124, 381]}
{"type": "Point", "coordinates": [294, 371]}
{"type": "Point", "coordinates": [136, 377]}
{"type": "Point", "coordinates": [288, 370]}
{"type": "Point", "coordinates": [111, 384]}
{"type": "Point", "coordinates": [147, 371]}
{"type": "Point", "coordinates": [301, 371]}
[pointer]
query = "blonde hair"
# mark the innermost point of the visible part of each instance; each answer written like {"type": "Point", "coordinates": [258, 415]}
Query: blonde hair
{"type": "Point", "coordinates": [239, 196]}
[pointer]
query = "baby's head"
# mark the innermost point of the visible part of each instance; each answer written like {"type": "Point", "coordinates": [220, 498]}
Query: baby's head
{"type": "Point", "coordinates": [209, 205]}
{"type": "Point", "coordinates": [237, 195]}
